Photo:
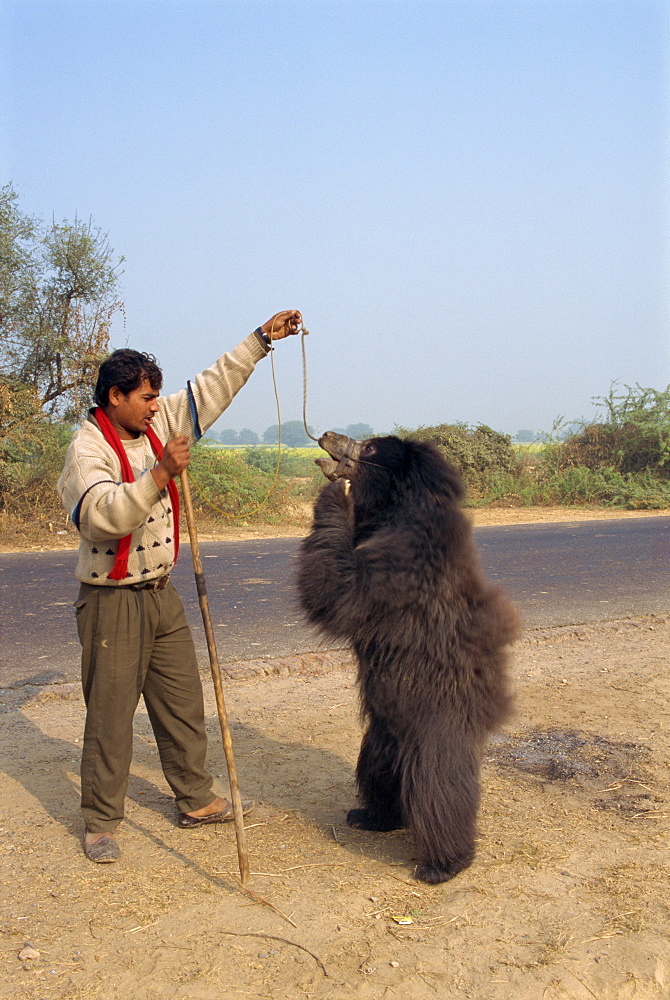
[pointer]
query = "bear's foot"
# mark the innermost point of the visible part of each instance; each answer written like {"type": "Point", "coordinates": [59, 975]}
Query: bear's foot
{"type": "Point", "coordinates": [364, 819]}
{"type": "Point", "coordinates": [433, 874]}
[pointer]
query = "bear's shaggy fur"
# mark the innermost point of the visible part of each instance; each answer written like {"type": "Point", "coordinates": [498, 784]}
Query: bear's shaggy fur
{"type": "Point", "coordinates": [390, 566]}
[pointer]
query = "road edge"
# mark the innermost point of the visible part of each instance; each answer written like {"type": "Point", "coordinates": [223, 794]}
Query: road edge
{"type": "Point", "coordinates": [321, 662]}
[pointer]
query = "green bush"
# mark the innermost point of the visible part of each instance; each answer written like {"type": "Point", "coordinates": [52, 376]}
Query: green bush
{"type": "Point", "coordinates": [226, 488]}
{"type": "Point", "coordinates": [223, 482]}
{"type": "Point", "coordinates": [484, 457]}
{"type": "Point", "coordinates": [601, 487]}
{"type": "Point", "coordinates": [634, 437]}
{"type": "Point", "coordinates": [620, 461]}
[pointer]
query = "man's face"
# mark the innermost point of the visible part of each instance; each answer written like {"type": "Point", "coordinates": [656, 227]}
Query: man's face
{"type": "Point", "coordinates": [132, 414]}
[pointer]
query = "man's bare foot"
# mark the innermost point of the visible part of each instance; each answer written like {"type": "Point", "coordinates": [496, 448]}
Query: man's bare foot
{"type": "Point", "coordinates": [218, 811]}
{"type": "Point", "coordinates": [217, 806]}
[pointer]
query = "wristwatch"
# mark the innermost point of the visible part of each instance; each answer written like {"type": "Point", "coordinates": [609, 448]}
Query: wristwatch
{"type": "Point", "coordinates": [263, 337]}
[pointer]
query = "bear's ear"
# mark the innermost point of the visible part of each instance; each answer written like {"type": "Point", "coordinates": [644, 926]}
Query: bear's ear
{"type": "Point", "coordinates": [427, 464]}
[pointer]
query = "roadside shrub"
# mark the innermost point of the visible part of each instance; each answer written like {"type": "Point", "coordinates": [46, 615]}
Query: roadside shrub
{"type": "Point", "coordinates": [621, 461]}
{"type": "Point", "coordinates": [601, 487]}
{"type": "Point", "coordinates": [30, 465]}
{"type": "Point", "coordinates": [223, 479]}
{"type": "Point", "coordinates": [484, 457]}
{"type": "Point", "coordinates": [634, 437]}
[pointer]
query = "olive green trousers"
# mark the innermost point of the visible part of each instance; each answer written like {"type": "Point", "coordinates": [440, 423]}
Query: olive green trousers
{"type": "Point", "coordinates": [137, 642]}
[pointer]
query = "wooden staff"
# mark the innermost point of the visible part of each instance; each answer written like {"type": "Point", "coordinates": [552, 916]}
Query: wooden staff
{"type": "Point", "coordinates": [216, 678]}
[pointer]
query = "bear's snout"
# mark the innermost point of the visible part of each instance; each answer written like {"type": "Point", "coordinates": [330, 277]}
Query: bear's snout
{"type": "Point", "coordinates": [341, 449]}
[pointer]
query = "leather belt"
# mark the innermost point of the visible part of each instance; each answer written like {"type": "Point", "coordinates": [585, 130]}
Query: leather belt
{"type": "Point", "coordinates": [159, 584]}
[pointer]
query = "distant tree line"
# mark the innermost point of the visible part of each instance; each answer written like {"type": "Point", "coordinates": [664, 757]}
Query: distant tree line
{"type": "Point", "coordinates": [293, 434]}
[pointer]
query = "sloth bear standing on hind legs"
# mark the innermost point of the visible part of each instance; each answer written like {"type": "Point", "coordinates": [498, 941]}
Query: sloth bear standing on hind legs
{"type": "Point", "coordinates": [390, 566]}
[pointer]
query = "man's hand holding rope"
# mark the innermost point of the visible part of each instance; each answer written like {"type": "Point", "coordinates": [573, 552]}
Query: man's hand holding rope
{"type": "Point", "coordinates": [282, 324]}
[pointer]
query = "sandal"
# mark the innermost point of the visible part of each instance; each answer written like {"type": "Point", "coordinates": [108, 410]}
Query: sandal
{"type": "Point", "coordinates": [225, 816]}
{"type": "Point", "coordinates": [102, 851]}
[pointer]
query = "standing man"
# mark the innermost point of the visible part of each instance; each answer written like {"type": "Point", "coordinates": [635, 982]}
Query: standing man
{"type": "Point", "coordinates": [118, 486]}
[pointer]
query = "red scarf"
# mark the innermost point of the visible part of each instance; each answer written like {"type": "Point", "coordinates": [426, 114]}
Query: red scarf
{"type": "Point", "coordinates": [120, 568]}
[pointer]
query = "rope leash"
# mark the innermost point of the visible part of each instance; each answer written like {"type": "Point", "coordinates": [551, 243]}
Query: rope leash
{"type": "Point", "coordinates": [347, 457]}
{"type": "Point", "coordinates": [305, 333]}
{"type": "Point", "coordinates": [273, 485]}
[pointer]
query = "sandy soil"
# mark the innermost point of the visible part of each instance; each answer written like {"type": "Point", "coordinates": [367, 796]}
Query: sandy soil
{"type": "Point", "coordinates": [568, 898]}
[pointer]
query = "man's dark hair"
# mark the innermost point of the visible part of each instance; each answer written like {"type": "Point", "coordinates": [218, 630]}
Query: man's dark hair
{"type": "Point", "coordinates": [126, 369]}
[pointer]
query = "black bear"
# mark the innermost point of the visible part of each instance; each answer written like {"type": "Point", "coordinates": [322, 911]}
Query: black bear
{"type": "Point", "coordinates": [390, 566]}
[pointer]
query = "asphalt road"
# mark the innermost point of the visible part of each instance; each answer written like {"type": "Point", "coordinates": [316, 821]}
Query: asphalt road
{"type": "Point", "coordinates": [558, 574]}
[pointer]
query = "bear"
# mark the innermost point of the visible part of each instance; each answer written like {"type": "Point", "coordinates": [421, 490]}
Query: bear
{"type": "Point", "coordinates": [390, 566]}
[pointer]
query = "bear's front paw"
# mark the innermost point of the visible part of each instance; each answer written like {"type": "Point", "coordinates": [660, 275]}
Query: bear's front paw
{"type": "Point", "coordinates": [363, 819]}
{"type": "Point", "coordinates": [337, 489]}
{"type": "Point", "coordinates": [334, 497]}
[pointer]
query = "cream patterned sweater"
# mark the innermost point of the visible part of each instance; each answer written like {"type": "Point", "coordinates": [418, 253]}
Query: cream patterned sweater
{"type": "Point", "coordinates": [105, 509]}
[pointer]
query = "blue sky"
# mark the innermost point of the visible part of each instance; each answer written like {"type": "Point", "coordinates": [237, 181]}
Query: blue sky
{"type": "Point", "coordinates": [468, 201]}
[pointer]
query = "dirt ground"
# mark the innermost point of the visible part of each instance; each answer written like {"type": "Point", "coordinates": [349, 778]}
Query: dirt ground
{"type": "Point", "coordinates": [568, 898]}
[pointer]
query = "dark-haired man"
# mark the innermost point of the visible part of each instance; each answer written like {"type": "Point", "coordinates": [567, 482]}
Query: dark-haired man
{"type": "Point", "coordinates": [118, 486]}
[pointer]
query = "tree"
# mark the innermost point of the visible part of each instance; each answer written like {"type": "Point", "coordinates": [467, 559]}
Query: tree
{"type": "Point", "coordinates": [58, 294]}
{"type": "Point", "coordinates": [292, 434]}
{"type": "Point", "coordinates": [228, 436]}
{"type": "Point", "coordinates": [361, 432]}
{"type": "Point", "coordinates": [247, 437]}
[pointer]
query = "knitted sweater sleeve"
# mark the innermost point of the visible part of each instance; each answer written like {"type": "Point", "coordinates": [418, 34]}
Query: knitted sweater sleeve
{"type": "Point", "coordinates": [193, 410]}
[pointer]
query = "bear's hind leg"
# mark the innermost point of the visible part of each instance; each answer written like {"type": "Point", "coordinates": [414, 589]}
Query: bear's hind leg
{"type": "Point", "coordinates": [440, 801]}
{"type": "Point", "coordinates": [378, 781]}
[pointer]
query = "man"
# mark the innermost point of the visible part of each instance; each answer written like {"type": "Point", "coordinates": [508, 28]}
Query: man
{"type": "Point", "coordinates": [118, 485]}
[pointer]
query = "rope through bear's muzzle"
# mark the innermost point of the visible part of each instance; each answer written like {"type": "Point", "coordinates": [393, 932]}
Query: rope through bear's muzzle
{"type": "Point", "coordinates": [348, 454]}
